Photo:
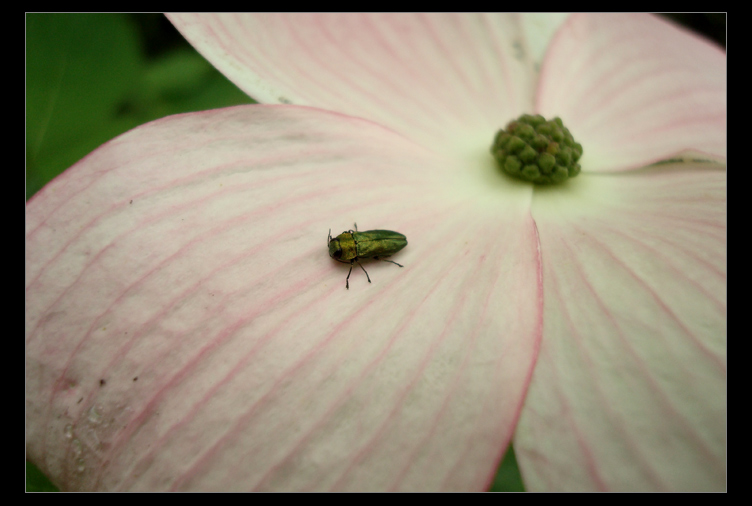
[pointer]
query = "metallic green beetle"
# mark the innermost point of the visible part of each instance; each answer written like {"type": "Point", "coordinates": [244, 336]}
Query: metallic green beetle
{"type": "Point", "coordinates": [351, 246]}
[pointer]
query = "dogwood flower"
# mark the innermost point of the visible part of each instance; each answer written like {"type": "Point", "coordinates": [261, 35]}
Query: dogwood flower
{"type": "Point", "coordinates": [187, 330]}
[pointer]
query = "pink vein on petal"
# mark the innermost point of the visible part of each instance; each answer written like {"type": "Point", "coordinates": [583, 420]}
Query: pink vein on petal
{"type": "Point", "coordinates": [221, 338]}
{"type": "Point", "coordinates": [255, 252]}
{"type": "Point", "coordinates": [430, 353]}
{"type": "Point", "coordinates": [178, 253]}
{"type": "Point", "coordinates": [256, 406]}
{"type": "Point", "coordinates": [629, 346]}
{"type": "Point", "coordinates": [537, 335]}
{"type": "Point", "coordinates": [353, 384]}
{"type": "Point", "coordinates": [190, 366]}
{"type": "Point", "coordinates": [398, 403]}
{"type": "Point", "coordinates": [591, 464]}
{"type": "Point", "coordinates": [679, 274]}
{"type": "Point", "coordinates": [660, 302]}
{"type": "Point", "coordinates": [604, 397]}
{"type": "Point", "coordinates": [168, 185]}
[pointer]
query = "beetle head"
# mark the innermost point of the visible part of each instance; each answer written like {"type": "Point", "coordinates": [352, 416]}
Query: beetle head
{"type": "Point", "coordinates": [335, 250]}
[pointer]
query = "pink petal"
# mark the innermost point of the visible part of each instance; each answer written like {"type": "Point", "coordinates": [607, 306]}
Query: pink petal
{"type": "Point", "coordinates": [635, 89]}
{"type": "Point", "coordinates": [437, 78]}
{"type": "Point", "coordinates": [629, 392]}
{"type": "Point", "coordinates": [186, 329]}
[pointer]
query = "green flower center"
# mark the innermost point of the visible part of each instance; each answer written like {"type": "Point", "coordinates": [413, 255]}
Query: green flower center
{"type": "Point", "coordinates": [537, 150]}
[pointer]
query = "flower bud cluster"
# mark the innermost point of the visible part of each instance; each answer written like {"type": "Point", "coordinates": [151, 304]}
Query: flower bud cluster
{"type": "Point", "coordinates": [536, 150]}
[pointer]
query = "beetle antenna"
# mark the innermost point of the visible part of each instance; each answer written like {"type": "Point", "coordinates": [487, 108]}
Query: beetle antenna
{"type": "Point", "coordinates": [329, 239]}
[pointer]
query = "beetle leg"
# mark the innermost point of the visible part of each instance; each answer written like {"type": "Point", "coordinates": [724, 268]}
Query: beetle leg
{"type": "Point", "coordinates": [384, 260]}
{"type": "Point", "coordinates": [361, 266]}
{"type": "Point", "coordinates": [347, 280]}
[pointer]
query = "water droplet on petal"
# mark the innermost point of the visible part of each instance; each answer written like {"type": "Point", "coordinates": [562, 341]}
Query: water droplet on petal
{"type": "Point", "coordinates": [77, 447]}
{"type": "Point", "coordinates": [94, 416]}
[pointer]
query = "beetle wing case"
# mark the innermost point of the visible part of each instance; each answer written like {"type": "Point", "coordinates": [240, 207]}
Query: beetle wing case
{"type": "Point", "coordinates": [378, 243]}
